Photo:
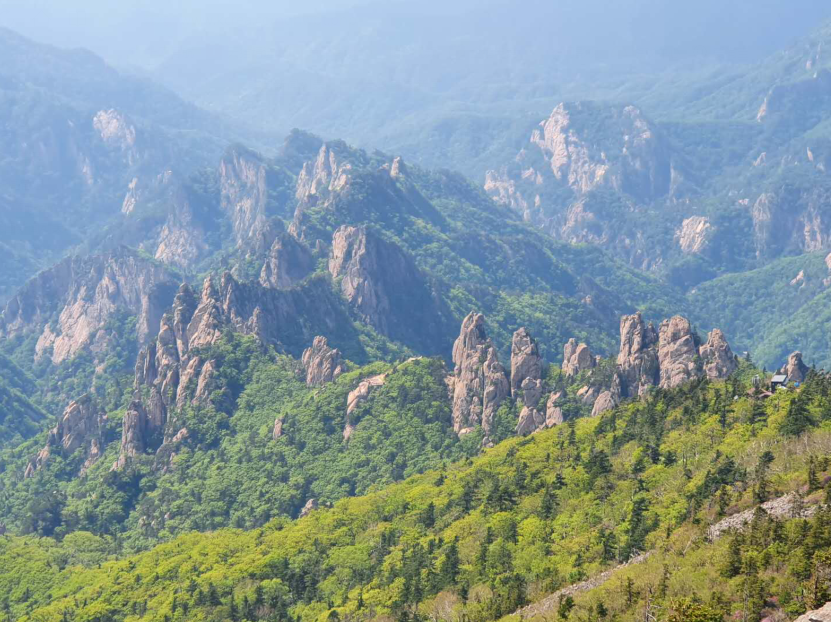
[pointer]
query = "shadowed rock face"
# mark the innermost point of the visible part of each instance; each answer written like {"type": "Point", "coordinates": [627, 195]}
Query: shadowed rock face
{"type": "Point", "coordinates": [80, 425]}
{"type": "Point", "coordinates": [84, 293]}
{"type": "Point", "coordinates": [322, 363]}
{"type": "Point", "coordinates": [382, 283]}
{"type": "Point", "coordinates": [289, 262]}
{"type": "Point", "coordinates": [480, 383]}
{"type": "Point", "coordinates": [796, 370]}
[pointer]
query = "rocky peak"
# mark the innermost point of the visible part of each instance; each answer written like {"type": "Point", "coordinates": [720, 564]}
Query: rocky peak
{"type": "Point", "coordinates": [638, 358]}
{"type": "Point", "coordinates": [289, 261]}
{"type": "Point", "coordinates": [182, 241]}
{"type": "Point", "coordinates": [796, 370]}
{"type": "Point", "coordinates": [526, 367]}
{"type": "Point", "coordinates": [577, 358]}
{"type": "Point", "coordinates": [322, 363]}
{"type": "Point", "coordinates": [677, 352]}
{"type": "Point", "coordinates": [80, 425]}
{"type": "Point", "coordinates": [694, 234]}
{"type": "Point", "coordinates": [329, 172]}
{"type": "Point", "coordinates": [717, 358]}
{"type": "Point", "coordinates": [480, 383]}
{"type": "Point", "coordinates": [84, 293]}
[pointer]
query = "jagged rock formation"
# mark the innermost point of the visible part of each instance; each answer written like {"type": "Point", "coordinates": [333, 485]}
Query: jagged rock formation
{"type": "Point", "coordinates": [577, 358]}
{"type": "Point", "coordinates": [796, 370]}
{"type": "Point", "coordinates": [182, 241]}
{"type": "Point", "coordinates": [638, 357]}
{"type": "Point", "coordinates": [289, 262]}
{"type": "Point", "coordinates": [170, 376]}
{"type": "Point", "coordinates": [322, 363]}
{"type": "Point", "coordinates": [84, 293]}
{"type": "Point", "coordinates": [480, 383]}
{"type": "Point", "coordinates": [553, 412]}
{"type": "Point", "coordinates": [677, 353]}
{"type": "Point", "coordinates": [358, 396]}
{"type": "Point", "coordinates": [82, 424]}
{"type": "Point", "coordinates": [580, 149]}
{"type": "Point", "coordinates": [526, 368]}
{"type": "Point", "coordinates": [246, 184]}
{"type": "Point", "coordinates": [717, 357]}
{"type": "Point", "coordinates": [381, 281]}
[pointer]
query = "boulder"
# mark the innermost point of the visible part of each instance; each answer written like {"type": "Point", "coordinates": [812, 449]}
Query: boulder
{"type": "Point", "coordinates": [823, 614]}
{"type": "Point", "coordinates": [604, 402]}
{"type": "Point", "coordinates": [311, 506]}
{"type": "Point", "coordinates": [530, 420]}
{"type": "Point", "coordinates": [554, 412]}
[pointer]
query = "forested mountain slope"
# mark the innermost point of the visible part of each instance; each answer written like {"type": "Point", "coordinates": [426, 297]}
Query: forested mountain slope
{"type": "Point", "coordinates": [485, 537]}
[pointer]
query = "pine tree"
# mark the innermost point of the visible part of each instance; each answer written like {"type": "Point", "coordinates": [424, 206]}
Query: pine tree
{"type": "Point", "coordinates": [813, 477]}
{"type": "Point", "coordinates": [449, 570]}
{"type": "Point", "coordinates": [797, 419]}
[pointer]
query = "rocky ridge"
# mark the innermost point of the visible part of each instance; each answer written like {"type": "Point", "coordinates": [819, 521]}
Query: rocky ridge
{"type": "Point", "coordinates": [69, 305]}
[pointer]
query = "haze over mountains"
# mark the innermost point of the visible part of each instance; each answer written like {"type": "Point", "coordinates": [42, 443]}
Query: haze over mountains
{"type": "Point", "coordinates": [261, 265]}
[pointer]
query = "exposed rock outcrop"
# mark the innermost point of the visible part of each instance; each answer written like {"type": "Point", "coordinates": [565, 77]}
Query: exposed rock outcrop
{"type": "Point", "coordinates": [386, 288]}
{"type": "Point", "coordinates": [170, 376]}
{"type": "Point", "coordinates": [796, 370]}
{"type": "Point", "coordinates": [289, 262]}
{"type": "Point", "coordinates": [694, 234]}
{"type": "Point", "coordinates": [605, 401]}
{"type": "Point", "coordinates": [277, 432]}
{"type": "Point", "coordinates": [358, 396]}
{"type": "Point", "coordinates": [577, 358]}
{"type": "Point", "coordinates": [84, 293]}
{"type": "Point", "coordinates": [677, 353]}
{"type": "Point", "coordinates": [322, 363]}
{"type": "Point", "coordinates": [480, 383]}
{"type": "Point", "coordinates": [638, 356]}
{"type": "Point", "coordinates": [717, 357]}
{"type": "Point", "coordinates": [526, 369]}
{"type": "Point", "coordinates": [530, 420]}
{"type": "Point", "coordinates": [81, 425]}
{"type": "Point", "coordinates": [311, 506]}
{"type": "Point", "coordinates": [823, 614]}
{"type": "Point", "coordinates": [553, 411]}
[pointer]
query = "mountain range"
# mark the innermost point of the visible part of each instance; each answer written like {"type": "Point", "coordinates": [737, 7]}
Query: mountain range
{"type": "Point", "coordinates": [253, 378]}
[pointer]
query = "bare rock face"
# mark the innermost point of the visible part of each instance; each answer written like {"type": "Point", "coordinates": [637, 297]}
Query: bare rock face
{"type": "Point", "coordinates": [677, 353]}
{"type": "Point", "coordinates": [823, 614]}
{"type": "Point", "coordinates": [322, 363]}
{"type": "Point", "coordinates": [84, 293]}
{"type": "Point", "coordinates": [289, 261]}
{"type": "Point", "coordinates": [796, 370]}
{"type": "Point", "coordinates": [694, 234]}
{"type": "Point", "coordinates": [311, 506]}
{"type": "Point", "coordinates": [716, 356]}
{"type": "Point", "coordinates": [133, 433]}
{"type": "Point", "coordinates": [638, 357]}
{"type": "Point", "coordinates": [605, 401]}
{"type": "Point", "coordinates": [577, 358]}
{"type": "Point", "coordinates": [526, 368]}
{"type": "Point", "coordinates": [182, 240]}
{"type": "Point", "coordinates": [358, 396]}
{"type": "Point", "coordinates": [530, 420]}
{"type": "Point", "coordinates": [554, 412]}
{"type": "Point", "coordinates": [80, 425]}
{"type": "Point", "coordinates": [481, 384]}
{"type": "Point", "coordinates": [277, 432]}
{"type": "Point", "coordinates": [244, 197]}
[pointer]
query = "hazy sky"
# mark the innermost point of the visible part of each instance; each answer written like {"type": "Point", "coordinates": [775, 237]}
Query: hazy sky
{"type": "Point", "coordinates": [145, 32]}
